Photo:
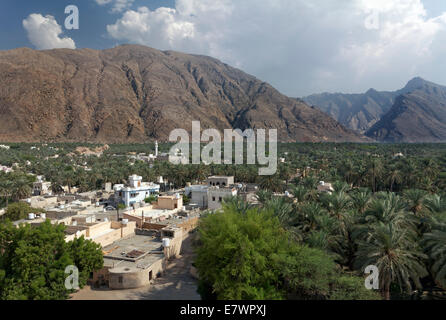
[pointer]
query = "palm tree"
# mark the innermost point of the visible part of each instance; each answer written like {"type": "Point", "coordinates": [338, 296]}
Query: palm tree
{"type": "Point", "coordinates": [374, 172]}
{"type": "Point", "coordinates": [348, 171]}
{"type": "Point", "coordinates": [341, 186]}
{"type": "Point", "coordinates": [435, 246]}
{"type": "Point", "coordinates": [309, 215]}
{"type": "Point", "coordinates": [20, 189]}
{"type": "Point", "coordinates": [299, 193]}
{"type": "Point", "coordinates": [392, 251]}
{"type": "Point", "coordinates": [237, 204]}
{"type": "Point", "coordinates": [281, 208]}
{"type": "Point", "coordinates": [271, 183]}
{"type": "Point", "coordinates": [430, 168]}
{"type": "Point", "coordinates": [336, 203]}
{"type": "Point", "coordinates": [409, 170]}
{"type": "Point", "coordinates": [435, 203]}
{"type": "Point", "coordinates": [388, 208]}
{"type": "Point", "coordinates": [263, 196]}
{"type": "Point", "coordinates": [360, 201]}
{"type": "Point", "coordinates": [5, 190]}
{"type": "Point", "coordinates": [394, 177]}
{"type": "Point", "coordinates": [415, 200]}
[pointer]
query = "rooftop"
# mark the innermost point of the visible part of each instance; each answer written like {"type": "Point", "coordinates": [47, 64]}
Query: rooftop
{"type": "Point", "coordinates": [133, 252]}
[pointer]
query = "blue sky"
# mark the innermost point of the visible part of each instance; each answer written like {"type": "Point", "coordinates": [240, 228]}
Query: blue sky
{"type": "Point", "coordinates": [93, 20]}
{"type": "Point", "coordinates": [299, 46]}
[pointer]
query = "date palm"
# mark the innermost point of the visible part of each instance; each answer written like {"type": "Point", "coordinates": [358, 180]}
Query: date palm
{"type": "Point", "coordinates": [263, 196]}
{"type": "Point", "coordinates": [237, 204]}
{"type": "Point", "coordinates": [300, 193]}
{"type": "Point", "coordinates": [435, 203]}
{"type": "Point", "coordinates": [281, 208]}
{"type": "Point", "coordinates": [336, 203]}
{"type": "Point", "coordinates": [374, 172]}
{"type": "Point", "coordinates": [415, 200]}
{"type": "Point", "coordinates": [21, 189]}
{"type": "Point", "coordinates": [394, 176]}
{"type": "Point", "coordinates": [5, 190]}
{"type": "Point", "coordinates": [388, 208]}
{"type": "Point", "coordinates": [392, 251]}
{"type": "Point", "coordinates": [360, 201]}
{"type": "Point", "coordinates": [435, 246]}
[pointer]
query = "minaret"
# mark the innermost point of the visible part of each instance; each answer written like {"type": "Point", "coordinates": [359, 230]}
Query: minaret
{"type": "Point", "coordinates": [156, 149]}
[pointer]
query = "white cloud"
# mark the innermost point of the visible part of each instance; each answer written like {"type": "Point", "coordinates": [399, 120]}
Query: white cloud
{"type": "Point", "coordinates": [118, 5]}
{"type": "Point", "coordinates": [301, 46]}
{"type": "Point", "coordinates": [45, 33]}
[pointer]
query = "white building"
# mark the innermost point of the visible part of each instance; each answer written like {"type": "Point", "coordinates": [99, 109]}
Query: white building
{"type": "Point", "coordinates": [135, 192]}
{"type": "Point", "coordinates": [324, 187]}
{"type": "Point", "coordinates": [198, 195]}
{"type": "Point", "coordinates": [6, 169]}
{"type": "Point", "coordinates": [2, 146]}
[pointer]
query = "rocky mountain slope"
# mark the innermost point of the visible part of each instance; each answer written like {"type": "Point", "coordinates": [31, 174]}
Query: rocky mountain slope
{"type": "Point", "coordinates": [418, 116]}
{"type": "Point", "coordinates": [359, 112]}
{"type": "Point", "coordinates": [136, 94]}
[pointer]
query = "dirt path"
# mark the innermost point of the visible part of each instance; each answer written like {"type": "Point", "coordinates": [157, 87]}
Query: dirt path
{"type": "Point", "coordinates": [176, 284]}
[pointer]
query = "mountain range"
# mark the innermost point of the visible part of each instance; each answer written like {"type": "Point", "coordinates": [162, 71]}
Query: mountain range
{"type": "Point", "coordinates": [416, 113]}
{"type": "Point", "coordinates": [136, 94]}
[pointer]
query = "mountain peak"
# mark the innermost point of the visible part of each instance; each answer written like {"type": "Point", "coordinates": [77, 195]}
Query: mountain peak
{"type": "Point", "coordinates": [415, 83]}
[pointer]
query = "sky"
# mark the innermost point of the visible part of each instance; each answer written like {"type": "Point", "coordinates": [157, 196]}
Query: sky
{"type": "Point", "coordinates": [299, 46]}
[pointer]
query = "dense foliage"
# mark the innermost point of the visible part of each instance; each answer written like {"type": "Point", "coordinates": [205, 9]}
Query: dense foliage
{"type": "Point", "coordinates": [33, 261]}
{"type": "Point", "coordinates": [249, 255]}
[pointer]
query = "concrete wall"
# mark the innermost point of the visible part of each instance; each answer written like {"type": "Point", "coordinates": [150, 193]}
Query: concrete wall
{"type": "Point", "coordinates": [176, 241]}
{"type": "Point", "coordinates": [104, 233]}
{"type": "Point", "coordinates": [107, 238]}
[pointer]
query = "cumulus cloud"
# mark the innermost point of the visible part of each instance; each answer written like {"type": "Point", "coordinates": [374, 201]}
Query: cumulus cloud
{"type": "Point", "coordinates": [45, 33]}
{"type": "Point", "coordinates": [301, 46]}
{"type": "Point", "coordinates": [118, 5]}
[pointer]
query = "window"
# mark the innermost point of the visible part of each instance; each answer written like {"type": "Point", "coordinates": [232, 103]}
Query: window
{"type": "Point", "coordinates": [120, 279]}
{"type": "Point", "coordinates": [150, 275]}
{"type": "Point", "coordinates": [213, 199]}
{"type": "Point", "coordinates": [220, 199]}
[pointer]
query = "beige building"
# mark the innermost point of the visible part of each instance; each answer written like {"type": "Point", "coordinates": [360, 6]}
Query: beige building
{"type": "Point", "coordinates": [216, 196]}
{"type": "Point", "coordinates": [133, 262]}
{"type": "Point", "coordinates": [220, 181]}
{"type": "Point", "coordinates": [169, 202]}
{"type": "Point", "coordinates": [103, 233]}
{"type": "Point", "coordinates": [41, 188]}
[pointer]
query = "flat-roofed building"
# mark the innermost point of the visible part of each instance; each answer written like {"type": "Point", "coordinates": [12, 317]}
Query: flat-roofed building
{"type": "Point", "coordinates": [135, 192]}
{"type": "Point", "coordinates": [198, 195]}
{"type": "Point", "coordinates": [216, 196]}
{"type": "Point", "coordinates": [220, 181]}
